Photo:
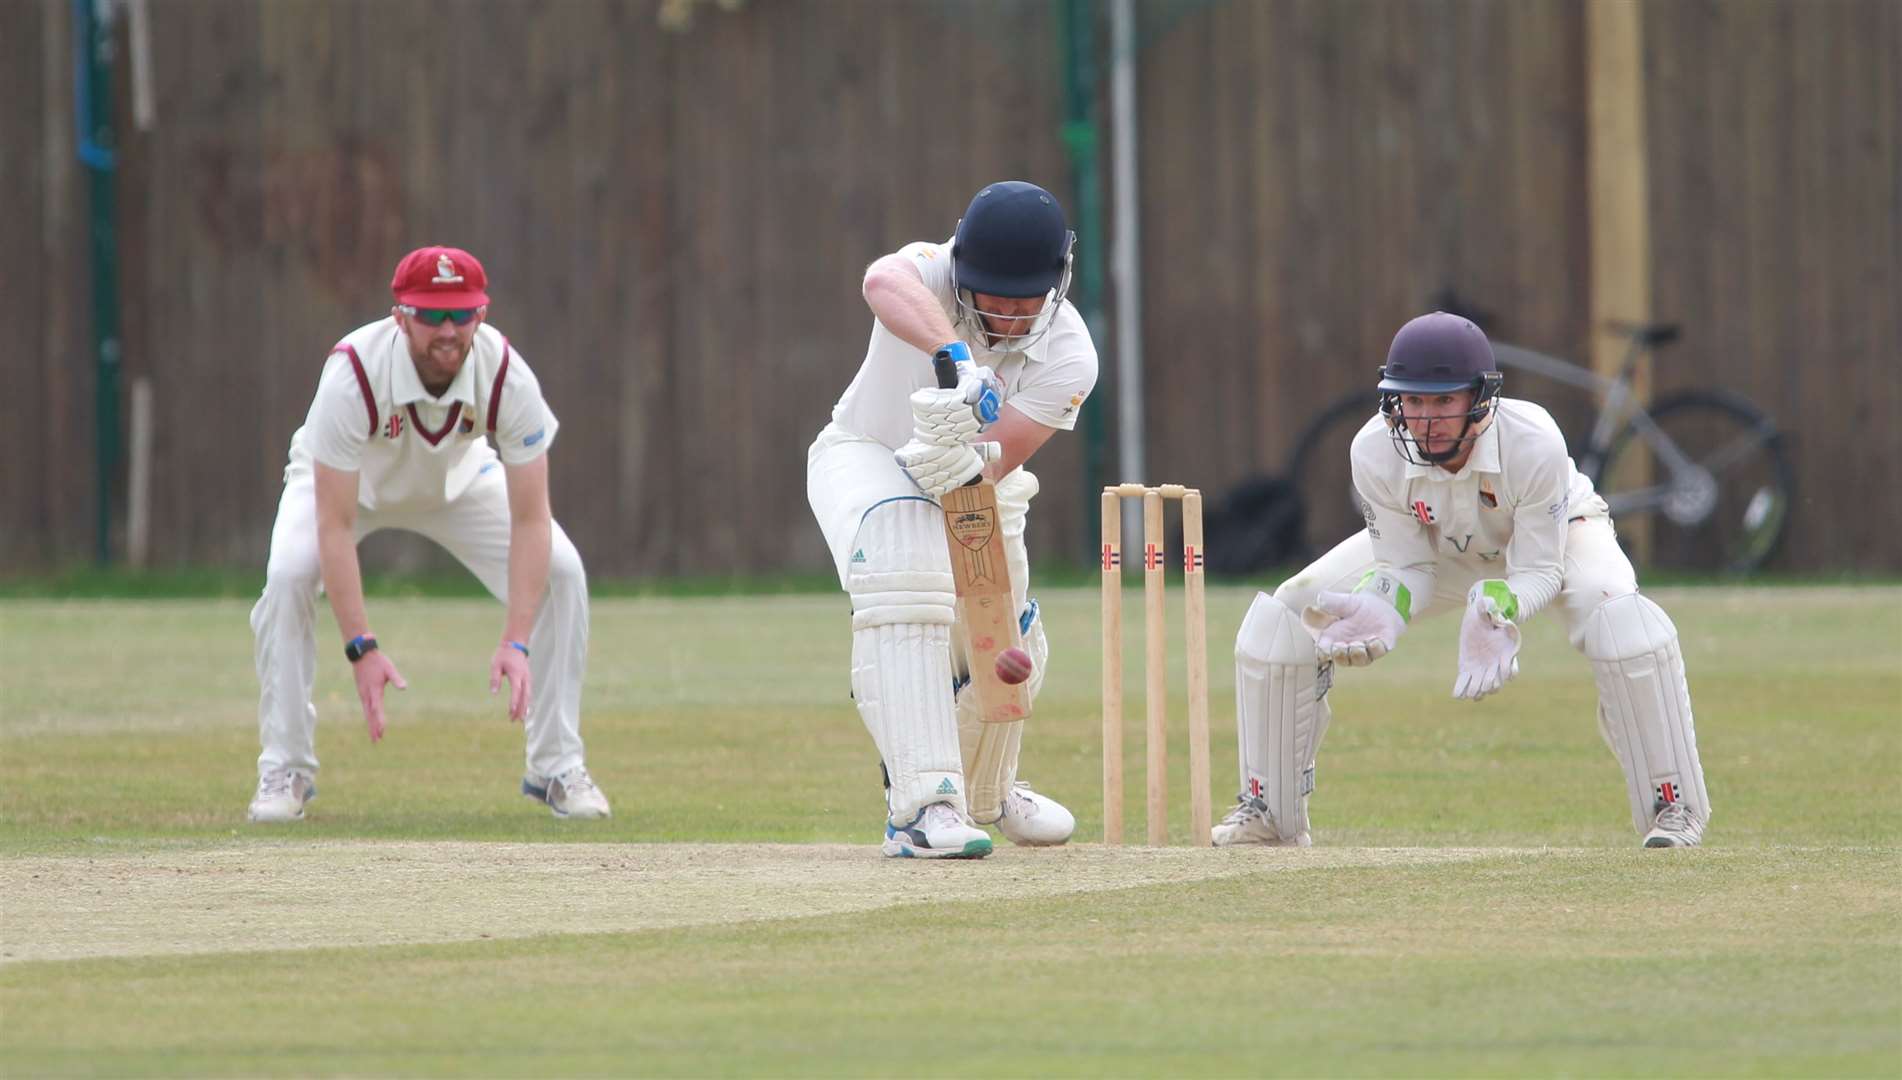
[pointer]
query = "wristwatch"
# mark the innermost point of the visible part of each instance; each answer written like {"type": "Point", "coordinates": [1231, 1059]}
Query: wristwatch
{"type": "Point", "coordinates": [358, 647]}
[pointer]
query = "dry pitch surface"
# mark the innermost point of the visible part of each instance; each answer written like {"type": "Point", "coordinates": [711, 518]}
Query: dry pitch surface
{"type": "Point", "coordinates": [267, 896]}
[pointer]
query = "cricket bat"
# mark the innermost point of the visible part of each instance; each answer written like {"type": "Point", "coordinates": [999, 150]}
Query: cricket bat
{"type": "Point", "coordinates": [975, 536]}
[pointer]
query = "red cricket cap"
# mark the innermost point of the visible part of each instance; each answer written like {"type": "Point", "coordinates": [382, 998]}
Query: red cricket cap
{"type": "Point", "coordinates": [440, 277]}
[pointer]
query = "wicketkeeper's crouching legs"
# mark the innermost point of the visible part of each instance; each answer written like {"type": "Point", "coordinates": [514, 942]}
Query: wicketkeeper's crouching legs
{"type": "Point", "coordinates": [1644, 698]}
{"type": "Point", "coordinates": [1281, 715]}
{"type": "Point", "coordinates": [1644, 713]}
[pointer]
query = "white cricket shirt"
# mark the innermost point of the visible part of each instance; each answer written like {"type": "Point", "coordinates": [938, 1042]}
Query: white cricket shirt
{"type": "Point", "coordinates": [1505, 514]}
{"type": "Point", "coordinates": [371, 416]}
{"type": "Point", "coordinates": [1047, 382]}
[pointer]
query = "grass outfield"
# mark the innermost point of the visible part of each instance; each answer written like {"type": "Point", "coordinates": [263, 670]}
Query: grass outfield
{"type": "Point", "coordinates": [1478, 905]}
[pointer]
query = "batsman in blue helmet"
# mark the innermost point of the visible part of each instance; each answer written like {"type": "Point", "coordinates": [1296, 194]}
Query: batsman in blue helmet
{"type": "Point", "coordinates": [1472, 505]}
{"type": "Point", "coordinates": [988, 308]}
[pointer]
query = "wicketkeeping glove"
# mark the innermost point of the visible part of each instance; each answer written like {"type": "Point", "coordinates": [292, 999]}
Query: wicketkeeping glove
{"type": "Point", "coordinates": [937, 468]}
{"type": "Point", "coordinates": [1489, 640]}
{"type": "Point", "coordinates": [1353, 629]}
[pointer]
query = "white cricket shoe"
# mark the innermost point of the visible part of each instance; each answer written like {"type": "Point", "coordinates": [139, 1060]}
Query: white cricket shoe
{"type": "Point", "coordinates": [570, 795]}
{"type": "Point", "coordinates": [938, 832]}
{"type": "Point", "coordinates": [1034, 820]}
{"type": "Point", "coordinates": [281, 796]}
{"type": "Point", "coordinates": [1676, 825]}
{"type": "Point", "coordinates": [1248, 823]}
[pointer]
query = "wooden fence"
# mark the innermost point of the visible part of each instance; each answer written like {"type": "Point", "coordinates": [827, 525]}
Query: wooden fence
{"type": "Point", "coordinates": [675, 223]}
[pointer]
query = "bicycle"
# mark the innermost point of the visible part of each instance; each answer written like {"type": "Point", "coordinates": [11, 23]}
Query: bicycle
{"type": "Point", "coordinates": [1717, 492]}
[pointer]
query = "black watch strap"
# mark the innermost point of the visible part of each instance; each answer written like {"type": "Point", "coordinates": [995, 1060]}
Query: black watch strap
{"type": "Point", "coordinates": [358, 647]}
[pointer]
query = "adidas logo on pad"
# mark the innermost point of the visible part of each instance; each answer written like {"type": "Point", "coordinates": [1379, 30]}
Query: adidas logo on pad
{"type": "Point", "coordinates": [946, 787]}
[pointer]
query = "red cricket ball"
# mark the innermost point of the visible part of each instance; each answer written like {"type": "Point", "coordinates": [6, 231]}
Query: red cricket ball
{"type": "Point", "coordinates": [1013, 666]}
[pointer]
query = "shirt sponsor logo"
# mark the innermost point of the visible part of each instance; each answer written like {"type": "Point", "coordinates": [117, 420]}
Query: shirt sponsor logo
{"type": "Point", "coordinates": [1422, 511]}
{"type": "Point", "coordinates": [394, 429]}
{"type": "Point", "coordinates": [535, 438]}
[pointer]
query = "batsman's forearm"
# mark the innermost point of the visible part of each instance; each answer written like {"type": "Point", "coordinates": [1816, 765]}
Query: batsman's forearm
{"type": "Point", "coordinates": [902, 303]}
{"type": "Point", "coordinates": [343, 578]}
{"type": "Point", "coordinates": [529, 543]}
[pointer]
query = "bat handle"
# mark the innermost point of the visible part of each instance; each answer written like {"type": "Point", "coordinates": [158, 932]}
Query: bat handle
{"type": "Point", "coordinates": [946, 369]}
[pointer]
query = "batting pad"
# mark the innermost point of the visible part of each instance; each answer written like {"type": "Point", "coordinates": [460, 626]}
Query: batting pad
{"type": "Point", "coordinates": [991, 750]}
{"type": "Point", "coordinates": [1644, 706]}
{"type": "Point", "coordinates": [903, 606]}
{"type": "Point", "coordinates": [1281, 712]}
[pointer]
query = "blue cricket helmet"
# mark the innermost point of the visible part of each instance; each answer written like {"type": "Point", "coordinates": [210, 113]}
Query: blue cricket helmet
{"type": "Point", "coordinates": [1012, 242]}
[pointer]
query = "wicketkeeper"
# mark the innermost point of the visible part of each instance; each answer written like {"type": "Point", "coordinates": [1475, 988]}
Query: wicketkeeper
{"type": "Point", "coordinates": [398, 438]}
{"type": "Point", "coordinates": [992, 300]}
{"type": "Point", "coordinates": [1472, 504]}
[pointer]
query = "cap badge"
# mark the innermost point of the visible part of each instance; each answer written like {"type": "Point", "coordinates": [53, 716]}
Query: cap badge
{"type": "Point", "coordinates": [446, 272]}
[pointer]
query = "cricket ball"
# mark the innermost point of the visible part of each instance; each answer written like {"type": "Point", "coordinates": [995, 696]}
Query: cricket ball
{"type": "Point", "coordinates": [1013, 666]}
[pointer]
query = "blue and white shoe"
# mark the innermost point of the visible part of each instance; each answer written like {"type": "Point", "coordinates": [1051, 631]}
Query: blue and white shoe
{"type": "Point", "coordinates": [938, 832]}
{"type": "Point", "coordinates": [570, 795]}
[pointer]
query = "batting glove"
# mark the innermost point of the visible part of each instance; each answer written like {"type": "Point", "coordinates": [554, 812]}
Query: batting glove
{"type": "Point", "coordinates": [1489, 641]}
{"type": "Point", "coordinates": [978, 395]}
{"type": "Point", "coordinates": [937, 468]}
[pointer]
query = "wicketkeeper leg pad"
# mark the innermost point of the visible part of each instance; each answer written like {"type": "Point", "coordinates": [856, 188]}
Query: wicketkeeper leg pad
{"type": "Point", "coordinates": [903, 606]}
{"type": "Point", "coordinates": [1644, 706]}
{"type": "Point", "coordinates": [1281, 712]}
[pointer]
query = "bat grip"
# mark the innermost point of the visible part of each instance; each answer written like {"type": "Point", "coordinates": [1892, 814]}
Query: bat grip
{"type": "Point", "coordinates": [945, 369]}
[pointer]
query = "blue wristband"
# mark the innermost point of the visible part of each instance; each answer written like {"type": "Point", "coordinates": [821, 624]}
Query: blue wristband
{"type": "Point", "coordinates": [518, 647]}
{"type": "Point", "coordinates": [958, 351]}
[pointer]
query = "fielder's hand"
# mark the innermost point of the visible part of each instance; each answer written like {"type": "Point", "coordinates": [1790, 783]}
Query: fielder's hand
{"type": "Point", "coordinates": [937, 468]}
{"type": "Point", "coordinates": [1354, 629]}
{"type": "Point", "coordinates": [1489, 641]}
{"type": "Point", "coordinates": [372, 673]}
{"type": "Point", "coordinates": [511, 663]}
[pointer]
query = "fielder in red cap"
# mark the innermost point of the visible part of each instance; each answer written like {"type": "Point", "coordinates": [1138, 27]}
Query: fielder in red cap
{"type": "Point", "coordinates": [430, 421]}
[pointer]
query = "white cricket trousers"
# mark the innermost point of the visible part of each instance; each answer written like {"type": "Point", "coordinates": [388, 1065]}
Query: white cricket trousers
{"type": "Point", "coordinates": [473, 528]}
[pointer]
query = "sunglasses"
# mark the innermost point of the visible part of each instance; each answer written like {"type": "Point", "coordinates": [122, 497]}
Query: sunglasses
{"type": "Point", "coordinates": [436, 316]}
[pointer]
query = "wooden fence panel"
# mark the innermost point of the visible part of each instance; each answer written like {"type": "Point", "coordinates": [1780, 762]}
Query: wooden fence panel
{"type": "Point", "coordinates": [676, 224]}
{"type": "Point", "coordinates": [1773, 132]}
{"type": "Point", "coordinates": [46, 484]}
{"type": "Point", "coordinates": [1313, 174]}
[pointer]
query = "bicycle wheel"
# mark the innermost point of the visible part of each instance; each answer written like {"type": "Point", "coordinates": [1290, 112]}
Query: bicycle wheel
{"type": "Point", "coordinates": [1720, 489]}
{"type": "Point", "coordinates": [1323, 475]}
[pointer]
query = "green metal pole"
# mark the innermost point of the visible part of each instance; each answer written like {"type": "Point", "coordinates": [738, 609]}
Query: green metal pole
{"type": "Point", "coordinates": [93, 39]}
{"type": "Point", "coordinates": [1081, 82]}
